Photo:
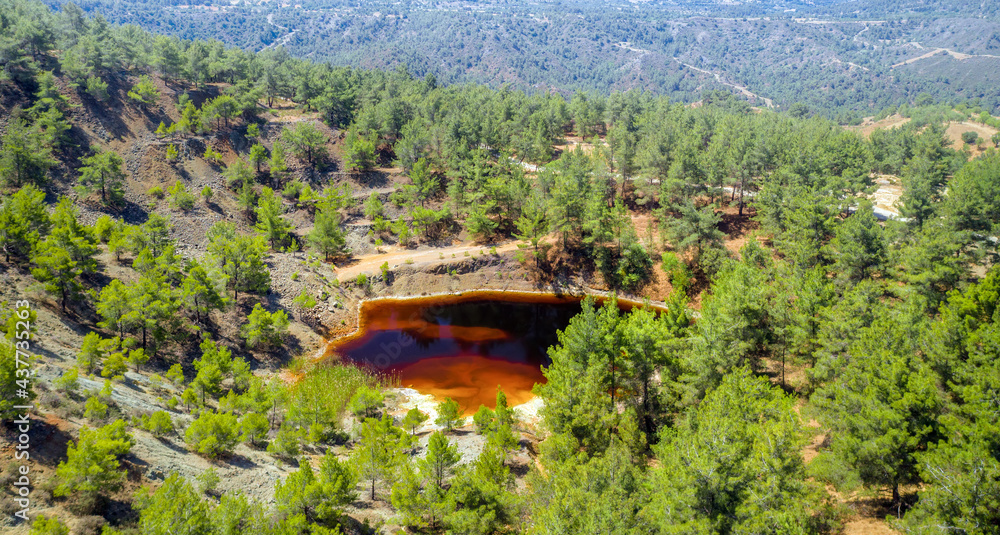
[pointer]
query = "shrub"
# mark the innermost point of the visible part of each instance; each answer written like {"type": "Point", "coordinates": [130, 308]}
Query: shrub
{"type": "Point", "coordinates": [69, 381]}
{"type": "Point", "coordinates": [95, 409]}
{"type": "Point", "coordinates": [286, 442]}
{"type": "Point", "coordinates": [292, 190]}
{"type": "Point", "coordinates": [304, 301]}
{"type": "Point", "coordinates": [212, 155]}
{"type": "Point", "coordinates": [159, 424]}
{"type": "Point", "coordinates": [385, 271]}
{"type": "Point", "coordinates": [970, 137]}
{"type": "Point", "coordinates": [97, 88]}
{"type": "Point", "coordinates": [680, 278]}
{"type": "Point", "coordinates": [213, 434]}
{"type": "Point", "coordinates": [209, 480]}
{"type": "Point", "coordinates": [44, 525]}
{"type": "Point", "coordinates": [180, 197]}
{"type": "Point", "coordinates": [172, 153]}
{"type": "Point", "coordinates": [144, 91]}
{"type": "Point", "coordinates": [483, 419]}
{"type": "Point", "coordinates": [155, 192]}
{"type": "Point", "coordinates": [366, 402]}
{"type": "Point", "coordinates": [322, 396]}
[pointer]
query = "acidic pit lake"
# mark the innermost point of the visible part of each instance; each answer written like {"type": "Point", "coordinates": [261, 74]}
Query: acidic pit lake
{"type": "Point", "coordinates": [461, 347]}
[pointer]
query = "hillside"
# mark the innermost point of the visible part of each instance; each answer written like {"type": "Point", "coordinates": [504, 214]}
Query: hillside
{"type": "Point", "coordinates": [845, 60]}
{"type": "Point", "coordinates": [184, 228]}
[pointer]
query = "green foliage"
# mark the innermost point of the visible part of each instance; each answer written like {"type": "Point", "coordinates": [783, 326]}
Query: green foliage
{"type": "Point", "coordinates": [304, 301]}
{"type": "Point", "coordinates": [320, 496]}
{"type": "Point", "coordinates": [414, 418]}
{"type": "Point", "coordinates": [25, 155]}
{"type": "Point", "coordinates": [91, 466]}
{"type": "Point", "coordinates": [61, 259]}
{"type": "Point", "coordinates": [159, 424]}
{"type": "Point", "coordinates": [265, 329]}
{"type": "Point", "coordinates": [254, 426]}
{"type": "Point", "coordinates": [680, 278]}
{"type": "Point", "coordinates": [736, 328]}
{"type": "Point", "coordinates": [258, 155]}
{"type": "Point", "coordinates": [213, 156]}
{"type": "Point", "coordinates": [97, 88]}
{"type": "Point", "coordinates": [144, 91]}
{"type": "Point", "coordinates": [103, 172]}
{"type": "Point", "coordinates": [326, 237]}
{"type": "Point", "coordinates": [306, 142]}
{"type": "Point", "coordinates": [69, 381]}
{"type": "Point", "coordinates": [483, 490]}
{"type": "Point", "coordinates": [180, 198]}
{"type": "Point", "coordinates": [440, 460]}
{"type": "Point", "coordinates": [970, 137]}
{"type": "Point", "coordinates": [44, 525]}
{"type": "Point", "coordinates": [174, 507]}
{"type": "Point", "coordinates": [449, 414]}
{"type": "Point", "coordinates": [881, 410]}
{"type": "Point", "coordinates": [213, 434]}
{"type": "Point", "coordinates": [155, 192]}
{"type": "Point", "coordinates": [270, 224]}
{"type": "Point", "coordinates": [203, 291]}
{"type": "Point", "coordinates": [860, 247]}
{"type": "Point", "coordinates": [694, 232]}
{"type": "Point", "coordinates": [577, 494]}
{"type": "Point", "coordinates": [373, 207]}
{"type": "Point", "coordinates": [209, 481]}
{"type": "Point", "coordinates": [240, 258]}
{"type": "Point", "coordinates": [379, 451]}
{"type": "Point", "coordinates": [321, 397]}
{"type": "Point", "coordinates": [95, 409]}
{"type": "Point", "coordinates": [23, 220]}
{"type": "Point", "coordinates": [13, 381]}
{"type": "Point", "coordinates": [366, 402]}
{"type": "Point", "coordinates": [286, 442]}
{"type": "Point", "coordinates": [359, 151]}
{"type": "Point", "coordinates": [734, 464]}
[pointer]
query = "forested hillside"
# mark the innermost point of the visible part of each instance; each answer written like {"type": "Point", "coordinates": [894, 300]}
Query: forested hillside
{"type": "Point", "coordinates": [845, 60]}
{"type": "Point", "coordinates": [182, 223]}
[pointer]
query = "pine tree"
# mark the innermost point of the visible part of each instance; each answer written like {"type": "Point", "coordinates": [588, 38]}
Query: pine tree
{"type": "Point", "coordinates": [23, 220]}
{"type": "Point", "coordinates": [414, 418]}
{"type": "Point", "coordinates": [449, 414]}
{"type": "Point", "coordinates": [91, 466]}
{"type": "Point", "coordinates": [175, 507]}
{"type": "Point", "coordinates": [440, 460]}
{"type": "Point", "coordinates": [379, 451]}
{"type": "Point", "coordinates": [269, 221]}
{"type": "Point", "coordinates": [326, 237]}
{"type": "Point", "coordinates": [103, 172]}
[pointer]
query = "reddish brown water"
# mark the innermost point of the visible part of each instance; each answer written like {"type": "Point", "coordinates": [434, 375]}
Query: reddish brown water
{"type": "Point", "coordinates": [461, 347]}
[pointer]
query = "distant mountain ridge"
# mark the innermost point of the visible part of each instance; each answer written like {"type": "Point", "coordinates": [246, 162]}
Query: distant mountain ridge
{"type": "Point", "coordinates": [844, 59]}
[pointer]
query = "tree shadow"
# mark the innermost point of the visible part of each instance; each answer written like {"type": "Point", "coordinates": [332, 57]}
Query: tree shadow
{"type": "Point", "coordinates": [372, 179]}
{"type": "Point", "coordinates": [239, 461]}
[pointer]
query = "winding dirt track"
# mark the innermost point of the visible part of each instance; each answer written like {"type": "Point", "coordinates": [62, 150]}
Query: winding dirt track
{"type": "Point", "coordinates": [370, 264]}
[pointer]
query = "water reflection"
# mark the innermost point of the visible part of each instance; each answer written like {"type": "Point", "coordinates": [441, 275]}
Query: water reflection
{"type": "Point", "coordinates": [461, 347]}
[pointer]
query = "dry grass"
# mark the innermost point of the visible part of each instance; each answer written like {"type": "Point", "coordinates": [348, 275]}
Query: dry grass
{"type": "Point", "coordinates": [954, 134]}
{"type": "Point", "coordinates": [869, 124]}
